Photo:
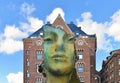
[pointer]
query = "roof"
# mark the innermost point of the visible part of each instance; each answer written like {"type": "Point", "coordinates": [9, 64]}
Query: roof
{"type": "Point", "coordinates": [115, 51]}
{"type": "Point", "coordinates": [73, 27]}
{"type": "Point", "coordinates": [112, 54]}
{"type": "Point", "coordinates": [37, 33]}
{"type": "Point", "coordinates": [78, 31]}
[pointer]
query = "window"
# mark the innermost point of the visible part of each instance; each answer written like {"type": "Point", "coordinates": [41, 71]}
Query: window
{"type": "Point", "coordinates": [80, 56]}
{"type": "Point", "coordinates": [37, 68]}
{"type": "Point", "coordinates": [119, 61]}
{"type": "Point", "coordinates": [26, 52]}
{"type": "Point", "coordinates": [39, 54]}
{"type": "Point", "coordinates": [91, 52]}
{"type": "Point", "coordinates": [119, 81]}
{"type": "Point", "coordinates": [82, 79]}
{"type": "Point", "coordinates": [39, 43]}
{"type": "Point", "coordinates": [80, 42]}
{"type": "Point", "coordinates": [80, 50]}
{"type": "Point", "coordinates": [41, 33]}
{"type": "Point", "coordinates": [119, 72]}
{"type": "Point", "coordinates": [111, 65]}
{"type": "Point", "coordinates": [39, 57]}
{"type": "Point", "coordinates": [38, 80]}
{"type": "Point", "coordinates": [85, 36]}
{"type": "Point", "coordinates": [27, 82]}
{"type": "Point", "coordinates": [80, 64]}
{"type": "Point", "coordinates": [77, 33]}
{"type": "Point", "coordinates": [28, 74]}
{"type": "Point", "coordinates": [111, 75]}
{"type": "Point", "coordinates": [28, 63]}
{"type": "Point", "coordinates": [80, 70]}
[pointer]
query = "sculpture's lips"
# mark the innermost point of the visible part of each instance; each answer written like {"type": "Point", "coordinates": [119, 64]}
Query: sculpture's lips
{"type": "Point", "coordinates": [59, 57]}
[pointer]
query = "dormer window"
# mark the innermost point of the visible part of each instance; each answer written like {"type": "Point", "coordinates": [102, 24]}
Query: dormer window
{"type": "Point", "coordinates": [85, 36]}
{"type": "Point", "coordinates": [77, 33]}
{"type": "Point", "coordinates": [41, 34]}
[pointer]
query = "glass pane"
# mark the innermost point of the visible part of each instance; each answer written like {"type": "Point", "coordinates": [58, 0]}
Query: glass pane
{"type": "Point", "coordinates": [80, 70]}
{"type": "Point", "coordinates": [80, 56]}
{"type": "Point", "coordinates": [39, 57]}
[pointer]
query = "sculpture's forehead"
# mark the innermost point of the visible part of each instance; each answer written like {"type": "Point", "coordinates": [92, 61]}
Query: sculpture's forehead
{"type": "Point", "coordinates": [50, 30]}
{"type": "Point", "coordinates": [47, 30]}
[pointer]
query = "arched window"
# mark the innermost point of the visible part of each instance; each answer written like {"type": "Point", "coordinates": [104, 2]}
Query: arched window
{"type": "Point", "coordinates": [28, 74]}
{"type": "Point", "coordinates": [28, 63]}
{"type": "Point", "coordinates": [39, 54]}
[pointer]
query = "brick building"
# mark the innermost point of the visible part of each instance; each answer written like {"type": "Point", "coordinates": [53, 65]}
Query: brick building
{"type": "Point", "coordinates": [85, 50]}
{"type": "Point", "coordinates": [110, 72]}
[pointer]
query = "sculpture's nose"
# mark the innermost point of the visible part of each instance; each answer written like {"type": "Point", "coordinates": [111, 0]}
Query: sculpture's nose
{"type": "Point", "coordinates": [59, 45]}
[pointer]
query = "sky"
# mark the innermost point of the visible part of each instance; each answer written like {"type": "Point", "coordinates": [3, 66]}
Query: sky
{"type": "Point", "coordinates": [20, 18]}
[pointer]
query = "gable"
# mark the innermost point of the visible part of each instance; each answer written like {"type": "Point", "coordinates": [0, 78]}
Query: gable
{"type": "Point", "coordinates": [59, 22]}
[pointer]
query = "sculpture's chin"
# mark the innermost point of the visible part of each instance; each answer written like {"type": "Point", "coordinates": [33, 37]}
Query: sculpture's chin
{"type": "Point", "coordinates": [60, 71]}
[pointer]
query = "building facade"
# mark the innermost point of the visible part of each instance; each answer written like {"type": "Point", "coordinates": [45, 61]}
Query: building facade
{"type": "Point", "coordinates": [110, 72]}
{"type": "Point", "coordinates": [85, 46]}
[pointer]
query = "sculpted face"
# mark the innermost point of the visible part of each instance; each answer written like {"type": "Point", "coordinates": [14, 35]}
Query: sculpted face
{"type": "Point", "coordinates": [59, 55]}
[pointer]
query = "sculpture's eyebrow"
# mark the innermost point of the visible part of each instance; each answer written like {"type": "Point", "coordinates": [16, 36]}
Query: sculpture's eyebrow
{"type": "Point", "coordinates": [69, 35]}
{"type": "Point", "coordinates": [49, 33]}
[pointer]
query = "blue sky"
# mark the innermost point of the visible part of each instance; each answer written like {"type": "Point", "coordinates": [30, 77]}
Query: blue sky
{"type": "Point", "coordinates": [20, 18]}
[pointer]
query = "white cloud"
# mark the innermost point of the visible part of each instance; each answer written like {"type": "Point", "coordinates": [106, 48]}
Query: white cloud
{"type": "Point", "coordinates": [14, 32]}
{"type": "Point", "coordinates": [35, 23]}
{"type": "Point", "coordinates": [54, 14]}
{"type": "Point", "coordinates": [27, 9]}
{"type": "Point", "coordinates": [10, 46]}
{"type": "Point", "coordinates": [32, 25]}
{"type": "Point", "coordinates": [86, 15]}
{"type": "Point", "coordinates": [11, 39]}
{"type": "Point", "coordinates": [25, 27]}
{"type": "Point", "coordinates": [15, 77]}
{"type": "Point", "coordinates": [93, 27]}
{"type": "Point", "coordinates": [114, 29]}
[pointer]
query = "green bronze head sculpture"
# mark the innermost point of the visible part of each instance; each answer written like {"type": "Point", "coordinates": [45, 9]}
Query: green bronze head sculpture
{"type": "Point", "coordinates": [59, 55]}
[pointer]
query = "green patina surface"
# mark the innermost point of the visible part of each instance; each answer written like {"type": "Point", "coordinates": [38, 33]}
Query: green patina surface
{"type": "Point", "coordinates": [59, 54]}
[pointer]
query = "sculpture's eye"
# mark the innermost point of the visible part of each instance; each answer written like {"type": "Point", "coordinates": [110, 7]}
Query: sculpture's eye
{"type": "Point", "coordinates": [71, 39]}
{"type": "Point", "coordinates": [48, 40]}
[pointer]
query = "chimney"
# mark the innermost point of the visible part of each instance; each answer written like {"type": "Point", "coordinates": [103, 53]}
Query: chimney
{"type": "Point", "coordinates": [79, 27]}
{"type": "Point", "coordinates": [71, 22]}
